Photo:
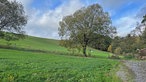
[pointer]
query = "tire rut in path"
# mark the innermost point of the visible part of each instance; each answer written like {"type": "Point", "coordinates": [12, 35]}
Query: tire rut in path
{"type": "Point", "coordinates": [139, 69]}
{"type": "Point", "coordinates": [133, 71]}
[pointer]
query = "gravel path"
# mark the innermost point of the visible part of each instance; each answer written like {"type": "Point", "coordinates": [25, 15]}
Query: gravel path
{"type": "Point", "coordinates": [136, 70]}
{"type": "Point", "coordinates": [139, 69]}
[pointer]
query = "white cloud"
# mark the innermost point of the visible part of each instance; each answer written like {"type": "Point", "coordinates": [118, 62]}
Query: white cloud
{"type": "Point", "coordinates": [128, 22]}
{"type": "Point", "coordinates": [46, 24]}
{"type": "Point", "coordinates": [125, 24]}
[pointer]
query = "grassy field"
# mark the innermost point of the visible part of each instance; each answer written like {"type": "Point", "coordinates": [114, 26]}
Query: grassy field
{"type": "Point", "coordinates": [50, 45]}
{"type": "Point", "coordinates": [20, 66]}
{"type": "Point", "coordinates": [36, 43]}
{"type": "Point", "coordinates": [24, 66]}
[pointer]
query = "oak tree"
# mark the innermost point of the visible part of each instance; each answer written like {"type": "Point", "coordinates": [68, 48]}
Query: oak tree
{"type": "Point", "coordinates": [77, 30]}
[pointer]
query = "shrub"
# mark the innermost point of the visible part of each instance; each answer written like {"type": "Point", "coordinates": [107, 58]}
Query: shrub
{"type": "Point", "coordinates": [109, 48]}
{"type": "Point", "coordinates": [118, 51]}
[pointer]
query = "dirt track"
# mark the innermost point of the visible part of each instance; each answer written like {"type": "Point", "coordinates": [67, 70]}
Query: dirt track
{"type": "Point", "coordinates": [133, 71]}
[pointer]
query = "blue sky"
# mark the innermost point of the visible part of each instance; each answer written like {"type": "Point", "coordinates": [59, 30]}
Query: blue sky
{"type": "Point", "coordinates": [44, 15]}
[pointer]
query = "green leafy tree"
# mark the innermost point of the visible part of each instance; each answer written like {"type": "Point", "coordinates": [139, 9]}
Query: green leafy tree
{"type": "Point", "coordinates": [77, 29]}
{"type": "Point", "coordinates": [12, 17]}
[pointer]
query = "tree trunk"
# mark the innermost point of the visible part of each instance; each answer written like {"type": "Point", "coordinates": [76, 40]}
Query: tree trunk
{"type": "Point", "coordinates": [84, 51]}
{"type": "Point", "coordinates": [85, 45]}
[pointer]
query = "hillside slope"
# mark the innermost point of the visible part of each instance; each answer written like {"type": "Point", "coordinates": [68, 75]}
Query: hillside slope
{"type": "Point", "coordinates": [35, 43]}
{"type": "Point", "coordinates": [18, 65]}
{"type": "Point", "coordinates": [44, 44]}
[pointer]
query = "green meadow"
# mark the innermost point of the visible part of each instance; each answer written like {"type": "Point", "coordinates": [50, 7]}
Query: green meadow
{"type": "Point", "coordinates": [36, 43]}
{"type": "Point", "coordinates": [49, 45]}
{"type": "Point", "coordinates": [54, 65]}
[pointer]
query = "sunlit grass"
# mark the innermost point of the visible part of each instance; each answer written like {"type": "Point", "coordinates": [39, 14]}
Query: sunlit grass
{"type": "Point", "coordinates": [51, 45]}
{"type": "Point", "coordinates": [39, 67]}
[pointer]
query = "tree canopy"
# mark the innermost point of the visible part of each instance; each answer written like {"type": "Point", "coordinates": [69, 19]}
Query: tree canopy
{"type": "Point", "coordinates": [12, 17]}
{"type": "Point", "coordinates": [78, 29]}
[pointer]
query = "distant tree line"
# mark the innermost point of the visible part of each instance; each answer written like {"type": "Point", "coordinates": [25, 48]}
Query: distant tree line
{"type": "Point", "coordinates": [136, 39]}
